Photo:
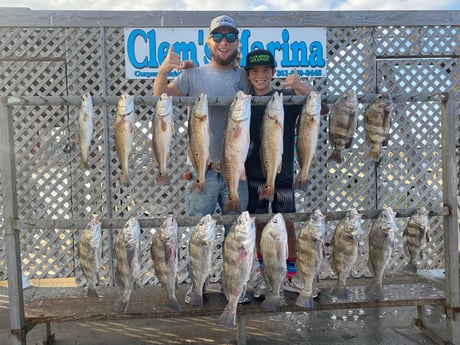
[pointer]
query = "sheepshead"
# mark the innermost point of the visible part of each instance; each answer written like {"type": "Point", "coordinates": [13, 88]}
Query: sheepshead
{"type": "Point", "coordinates": [377, 122]}
{"type": "Point", "coordinates": [416, 234]}
{"type": "Point", "coordinates": [124, 134]}
{"type": "Point", "coordinates": [128, 267]}
{"type": "Point", "coordinates": [307, 136]}
{"type": "Point", "coordinates": [381, 244]}
{"type": "Point", "coordinates": [345, 245]}
{"type": "Point", "coordinates": [236, 146]}
{"type": "Point", "coordinates": [238, 257]}
{"type": "Point", "coordinates": [274, 248]}
{"type": "Point", "coordinates": [198, 141]}
{"type": "Point", "coordinates": [164, 251]}
{"type": "Point", "coordinates": [310, 252]}
{"type": "Point", "coordinates": [201, 247]}
{"type": "Point", "coordinates": [271, 146]}
{"type": "Point", "coordinates": [86, 128]}
{"type": "Point", "coordinates": [162, 134]}
{"type": "Point", "coordinates": [343, 121]}
{"type": "Point", "coordinates": [90, 253]}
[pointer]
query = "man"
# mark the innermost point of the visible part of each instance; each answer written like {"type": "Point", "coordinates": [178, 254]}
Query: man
{"type": "Point", "coordinates": [260, 69]}
{"type": "Point", "coordinates": [221, 77]}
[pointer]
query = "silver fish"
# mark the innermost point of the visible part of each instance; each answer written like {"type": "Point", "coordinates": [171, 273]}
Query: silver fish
{"type": "Point", "coordinates": [377, 122]}
{"type": "Point", "coordinates": [86, 128]}
{"type": "Point", "coordinates": [381, 244]}
{"type": "Point", "coordinates": [201, 247]}
{"type": "Point", "coordinates": [124, 134]}
{"type": "Point", "coordinates": [310, 252]}
{"type": "Point", "coordinates": [162, 134]}
{"type": "Point", "coordinates": [271, 146]}
{"type": "Point", "coordinates": [127, 256]}
{"type": "Point", "coordinates": [343, 120]}
{"type": "Point", "coordinates": [274, 248]}
{"type": "Point", "coordinates": [308, 126]}
{"type": "Point", "coordinates": [90, 253]}
{"type": "Point", "coordinates": [199, 141]}
{"type": "Point", "coordinates": [164, 252]}
{"type": "Point", "coordinates": [345, 245]}
{"type": "Point", "coordinates": [238, 257]}
{"type": "Point", "coordinates": [416, 234]}
{"type": "Point", "coordinates": [235, 147]}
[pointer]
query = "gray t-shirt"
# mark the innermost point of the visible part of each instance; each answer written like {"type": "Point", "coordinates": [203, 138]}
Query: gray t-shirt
{"type": "Point", "coordinates": [213, 82]}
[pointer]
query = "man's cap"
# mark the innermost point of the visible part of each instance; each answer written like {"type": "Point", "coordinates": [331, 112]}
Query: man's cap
{"type": "Point", "coordinates": [223, 22]}
{"type": "Point", "coordinates": [259, 57]}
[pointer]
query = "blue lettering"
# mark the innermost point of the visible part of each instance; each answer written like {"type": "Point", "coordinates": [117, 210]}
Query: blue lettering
{"type": "Point", "coordinates": [316, 55]}
{"type": "Point", "coordinates": [299, 49]}
{"type": "Point", "coordinates": [285, 48]}
{"type": "Point", "coordinates": [187, 51]}
{"type": "Point", "coordinates": [163, 49]}
{"type": "Point", "coordinates": [152, 52]}
{"type": "Point", "coordinates": [131, 51]}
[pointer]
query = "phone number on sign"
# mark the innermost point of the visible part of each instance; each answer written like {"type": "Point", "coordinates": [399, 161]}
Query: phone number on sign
{"type": "Point", "coordinates": [302, 72]}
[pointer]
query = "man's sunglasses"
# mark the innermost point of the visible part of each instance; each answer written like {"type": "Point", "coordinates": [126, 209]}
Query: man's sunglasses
{"type": "Point", "coordinates": [218, 37]}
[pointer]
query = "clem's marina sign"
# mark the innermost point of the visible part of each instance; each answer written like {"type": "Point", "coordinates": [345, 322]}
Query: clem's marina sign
{"type": "Point", "coordinates": [300, 48]}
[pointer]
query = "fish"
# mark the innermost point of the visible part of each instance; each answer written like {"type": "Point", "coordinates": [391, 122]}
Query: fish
{"type": "Point", "coordinates": [124, 134]}
{"type": "Point", "coordinates": [271, 146]}
{"type": "Point", "coordinates": [86, 128]}
{"type": "Point", "coordinates": [127, 258]}
{"type": "Point", "coordinates": [416, 235]}
{"type": "Point", "coordinates": [274, 248]}
{"type": "Point", "coordinates": [236, 147]}
{"type": "Point", "coordinates": [381, 245]}
{"type": "Point", "coordinates": [377, 122]}
{"type": "Point", "coordinates": [310, 252]}
{"type": "Point", "coordinates": [345, 245]}
{"type": "Point", "coordinates": [308, 125]}
{"type": "Point", "coordinates": [162, 134]}
{"type": "Point", "coordinates": [90, 254]}
{"type": "Point", "coordinates": [239, 249]}
{"type": "Point", "coordinates": [165, 255]}
{"type": "Point", "coordinates": [201, 247]}
{"type": "Point", "coordinates": [199, 141]}
{"type": "Point", "coordinates": [343, 121]}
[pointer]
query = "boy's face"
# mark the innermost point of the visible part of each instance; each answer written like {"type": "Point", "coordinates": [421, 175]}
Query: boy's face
{"type": "Point", "coordinates": [260, 78]}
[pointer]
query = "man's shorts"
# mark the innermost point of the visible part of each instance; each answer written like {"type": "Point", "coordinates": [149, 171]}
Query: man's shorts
{"type": "Point", "coordinates": [283, 201]}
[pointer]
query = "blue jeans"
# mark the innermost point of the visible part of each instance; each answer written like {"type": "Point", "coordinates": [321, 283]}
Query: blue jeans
{"type": "Point", "coordinates": [215, 193]}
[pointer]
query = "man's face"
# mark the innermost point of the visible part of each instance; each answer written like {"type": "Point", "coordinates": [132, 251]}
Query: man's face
{"type": "Point", "coordinates": [223, 52]}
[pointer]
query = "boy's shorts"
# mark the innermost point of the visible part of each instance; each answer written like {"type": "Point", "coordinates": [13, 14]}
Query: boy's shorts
{"type": "Point", "coordinates": [283, 201]}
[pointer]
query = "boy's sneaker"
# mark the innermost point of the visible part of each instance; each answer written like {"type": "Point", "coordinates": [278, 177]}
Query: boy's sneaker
{"type": "Point", "coordinates": [293, 285]}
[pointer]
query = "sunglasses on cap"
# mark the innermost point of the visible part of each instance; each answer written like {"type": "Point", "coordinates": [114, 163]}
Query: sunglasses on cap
{"type": "Point", "coordinates": [229, 36]}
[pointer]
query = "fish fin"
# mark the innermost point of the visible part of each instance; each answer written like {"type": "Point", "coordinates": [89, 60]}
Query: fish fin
{"type": "Point", "coordinates": [162, 180]}
{"type": "Point", "coordinates": [267, 193]}
{"type": "Point", "coordinates": [336, 156]}
{"type": "Point", "coordinates": [272, 303]}
{"type": "Point", "coordinates": [174, 304]}
{"type": "Point", "coordinates": [227, 318]}
{"type": "Point", "coordinates": [340, 292]}
{"type": "Point", "coordinates": [305, 300]}
{"type": "Point", "coordinates": [411, 267]}
{"type": "Point", "coordinates": [196, 300]}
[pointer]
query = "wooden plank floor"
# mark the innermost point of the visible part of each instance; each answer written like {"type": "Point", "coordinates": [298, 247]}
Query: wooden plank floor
{"type": "Point", "coordinates": [72, 304]}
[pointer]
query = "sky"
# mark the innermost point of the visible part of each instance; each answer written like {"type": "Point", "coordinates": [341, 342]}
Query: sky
{"type": "Point", "coordinates": [237, 5]}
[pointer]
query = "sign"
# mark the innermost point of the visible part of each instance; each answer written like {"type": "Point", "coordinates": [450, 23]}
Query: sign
{"type": "Point", "coordinates": [302, 48]}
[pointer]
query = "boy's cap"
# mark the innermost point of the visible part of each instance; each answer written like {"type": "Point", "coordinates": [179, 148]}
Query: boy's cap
{"type": "Point", "coordinates": [259, 57]}
{"type": "Point", "coordinates": [223, 22]}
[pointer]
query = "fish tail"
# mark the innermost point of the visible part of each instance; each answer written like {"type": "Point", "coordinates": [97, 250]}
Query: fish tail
{"type": "Point", "coordinates": [336, 156]}
{"type": "Point", "coordinates": [198, 186]}
{"type": "Point", "coordinates": [305, 300]}
{"type": "Point", "coordinates": [124, 178]}
{"type": "Point", "coordinates": [300, 183]}
{"type": "Point", "coordinates": [233, 204]}
{"type": "Point", "coordinates": [374, 153]}
{"type": "Point", "coordinates": [120, 305]}
{"type": "Point", "coordinates": [84, 163]}
{"type": "Point", "coordinates": [162, 179]}
{"type": "Point", "coordinates": [375, 291]}
{"type": "Point", "coordinates": [197, 300]}
{"type": "Point", "coordinates": [227, 318]}
{"type": "Point", "coordinates": [411, 267]}
{"type": "Point", "coordinates": [272, 303]}
{"type": "Point", "coordinates": [340, 291]}
{"type": "Point", "coordinates": [92, 292]}
{"type": "Point", "coordinates": [267, 192]}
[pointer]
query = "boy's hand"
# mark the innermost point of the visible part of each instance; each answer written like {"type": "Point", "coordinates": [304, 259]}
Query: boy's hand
{"type": "Point", "coordinates": [294, 82]}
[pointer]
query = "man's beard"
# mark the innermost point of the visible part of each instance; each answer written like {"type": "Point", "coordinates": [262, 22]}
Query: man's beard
{"type": "Point", "coordinates": [224, 62]}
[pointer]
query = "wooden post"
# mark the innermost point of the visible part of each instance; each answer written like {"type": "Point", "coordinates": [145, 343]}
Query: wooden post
{"type": "Point", "coordinates": [10, 213]}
